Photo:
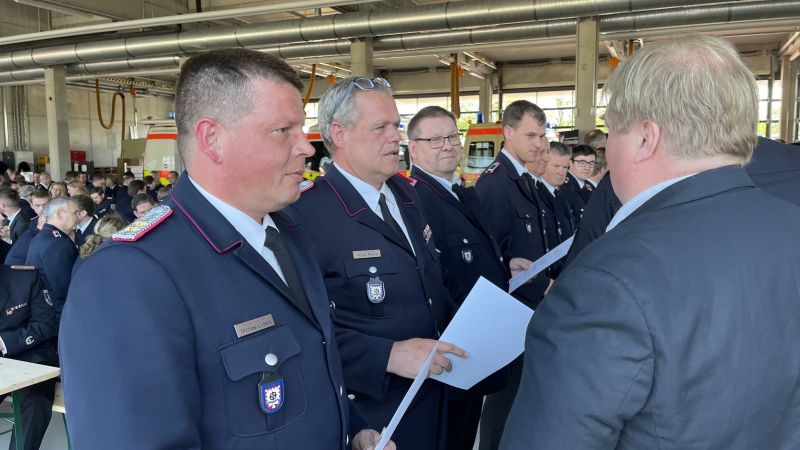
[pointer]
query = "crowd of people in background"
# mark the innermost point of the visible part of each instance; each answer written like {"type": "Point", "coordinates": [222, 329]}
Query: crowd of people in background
{"type": "Point", "coordinates": [51, 227]}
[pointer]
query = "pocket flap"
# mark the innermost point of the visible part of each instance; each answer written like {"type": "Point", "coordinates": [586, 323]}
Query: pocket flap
{"type": "Point", "coordinates": [249, 355]}
{"type": "Point", "coordinates": [526, 213]}
{"type": "Point", "coordinates": [364, 267]}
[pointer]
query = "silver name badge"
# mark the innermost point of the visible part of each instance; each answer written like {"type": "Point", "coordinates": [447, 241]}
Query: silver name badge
{"type": "Point", "coordinates": [365, 254]}
{"type": "Point", "coordinates": [251, 326]}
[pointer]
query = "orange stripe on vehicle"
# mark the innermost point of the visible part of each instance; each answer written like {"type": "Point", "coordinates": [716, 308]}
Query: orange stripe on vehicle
{"type": "Point", "coordinates": [163, 136]}
{"type": "Point", "coordinates": [483, 131]}
{"type": "Point", "coordinates": [314, 136]}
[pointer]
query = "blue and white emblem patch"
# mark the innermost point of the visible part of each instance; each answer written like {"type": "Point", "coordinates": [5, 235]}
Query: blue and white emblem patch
{"type": "Point", "coordinates": [271, 396]}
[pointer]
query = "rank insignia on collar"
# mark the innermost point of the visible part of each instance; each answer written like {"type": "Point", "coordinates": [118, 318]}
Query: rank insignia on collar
{"type": "Point", "coordinates": [56, 234]}
{"type": "Point", "coordinates": [426, 233]}
{"type": "Point", "coordinates": [492, 168]}
{"type": "Point", "coordinates": [305, 185]}
{"type": "Point", "coordinates": [271, 396]}
{"type": "Point", "coordinates": [142, 225]}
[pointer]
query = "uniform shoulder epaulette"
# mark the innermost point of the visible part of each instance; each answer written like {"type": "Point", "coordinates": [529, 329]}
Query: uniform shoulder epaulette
{"type": "Point", "coordinates": [17, 267]}
{"type": "Point", "coordinates": [305, 185]}
{"type": "Point", "coordinates": [411, 181]}
{"type": "Point", "coordinates": [143, 225]}
{"type": "Point", "coordinates": [492, 168]}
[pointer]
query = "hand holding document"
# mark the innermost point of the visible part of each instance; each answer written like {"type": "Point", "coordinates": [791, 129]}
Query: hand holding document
{"type": "Point", "coordinates": [539, 265]}
{"type": "Point", "coordinates": [490, 325]}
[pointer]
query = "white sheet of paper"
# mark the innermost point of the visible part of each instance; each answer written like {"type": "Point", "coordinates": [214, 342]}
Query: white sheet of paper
{"type": "Point", "coordinates": [387, 432]}
{"type": "Point", "coordinates": [490, 325]}
{"type": "Point", "coordinates": [539, 265]}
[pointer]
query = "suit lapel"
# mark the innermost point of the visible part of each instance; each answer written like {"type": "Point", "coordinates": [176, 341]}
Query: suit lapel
{"type": "Point", "coordinates": [409, 212]}
{"type": "Point", "coordinates": [355, 206]}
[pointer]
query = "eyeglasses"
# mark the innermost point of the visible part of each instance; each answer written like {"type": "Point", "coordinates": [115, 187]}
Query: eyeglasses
{"type": "Point", "coordinates": [363, 83]}
{"type": "Point", "coordinates": [582, 163]}
{"type": "Point", "coordinates": [438, 141]}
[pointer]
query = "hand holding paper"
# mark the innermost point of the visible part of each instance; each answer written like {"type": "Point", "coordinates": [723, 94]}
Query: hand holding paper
{"type": "Point", "coordinates": [407, 357]}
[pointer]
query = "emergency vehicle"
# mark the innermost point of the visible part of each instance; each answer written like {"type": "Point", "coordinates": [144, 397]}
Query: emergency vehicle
{"type": "Point", "coordinates": [161, 149]}
{"type": "Point", "coordinates": [317, 164]}
{"type": "Point", "coordinates": [483, 142]}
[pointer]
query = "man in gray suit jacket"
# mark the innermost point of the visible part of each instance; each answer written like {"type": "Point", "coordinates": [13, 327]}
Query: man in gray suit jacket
{"type": "Point", "coordinates": [678, 328]}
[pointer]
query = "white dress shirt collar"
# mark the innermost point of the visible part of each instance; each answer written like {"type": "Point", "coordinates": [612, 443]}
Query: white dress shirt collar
{"type": "Point", "coordinates": [521, 169]}
{"type": "Point", "coordinates": [640, 199]}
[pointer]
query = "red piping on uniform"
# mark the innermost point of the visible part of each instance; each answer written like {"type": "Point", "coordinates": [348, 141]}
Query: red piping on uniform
{"type": "Point", "coordinates": [220, 251]}
{"type": "Point", "coordinates": [419, 180]}
{"type": "Point", "coordinates": [343, 203]}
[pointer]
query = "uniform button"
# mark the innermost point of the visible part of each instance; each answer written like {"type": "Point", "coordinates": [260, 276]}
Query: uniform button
{"type": "Point", "coordinates": [430, 302]}
{"type": "Point", "coordinates": [332, 305]}
{"type": "Point", "coordinates": [271, 359]}
{"type": "Point", "coordinates": [373, 269]}
{"type": "Point", "coordinates": [501, 259]}
{"type": "Point", "coordinates": [466, 241]}
{"type": "Point", "coordinates": [351, 396]}
{"type": "Point", "coordinates": [341, 391]}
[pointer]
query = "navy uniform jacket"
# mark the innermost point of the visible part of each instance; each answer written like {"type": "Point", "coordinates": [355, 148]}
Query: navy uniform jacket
{"type": "Point", "coordinates": [678, 329]}
{"type": "Point", "coordinates": [559, 222]}
{"type": "Point", "coordinates": [168, 370]}
{"type": "Point", "coordinates": [112, 192]}
{"type": "Point", "coordinates": [28, 323]}
{"type": "Point", "coordinates": [80, 238]}
{"type": "Point", "coordinates": [352, 245]}
{"type": "Point", "coordinates": [53, 253]}
{"type": "Point", "coordinates": [576, 196]}
{"type": "Point", "coordinates": [18, 252]}
{"type": "Point", "coordinates": [468, 250]}
{"type": "Point", "coordinates": [20, 224]}
{"type": "Point", "coordinates": [25, 206]}
{"type": "Point", "coordinates": [102, 209]}
{"type": "Point", "coordinates": [515, 215]}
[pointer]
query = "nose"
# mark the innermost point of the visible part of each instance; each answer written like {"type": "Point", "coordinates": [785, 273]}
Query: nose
{"type": "Point", "coordinates": [305, 147]}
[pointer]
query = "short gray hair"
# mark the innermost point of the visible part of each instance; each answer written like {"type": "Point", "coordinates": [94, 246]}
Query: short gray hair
{"type": "Point", "coordinates": [698, 91]}
{"type": "Point", "coordinates": [58, 204]}
{"type": "Point", "coordinates": [338, 105]}
{"type": "Point", "coordinates": [560, 149]}
{"type": "Point", "coordinates": [217, 84]}
{"type": "Point", "coordinates": [26, 191]}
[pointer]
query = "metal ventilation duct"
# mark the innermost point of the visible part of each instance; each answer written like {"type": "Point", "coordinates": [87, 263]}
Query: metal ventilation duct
{"type": "Point", "coordinates": [377, 22]}
{"type": "Point", "coordinates": [623, 23]}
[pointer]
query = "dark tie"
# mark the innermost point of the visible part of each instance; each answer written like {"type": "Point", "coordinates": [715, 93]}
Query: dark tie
{"type": "Point", "coordinates": [275, 243]}
{"type": "Point", "coordinates": [387, 217]}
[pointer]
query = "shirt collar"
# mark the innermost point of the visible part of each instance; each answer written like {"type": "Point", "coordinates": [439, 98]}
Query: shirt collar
{"type": "Point", "coordinates": [580, 182]}
{"type": "Point", "coordinates": [521, 170]}
{"type": "Point", "coordinates": [365, 190]}
{"type": "Point", "coordinates": [589, 180]}
{"type": "Point", "coordinates": [640, 199]}
{"type": "Point", "coordinates": [253, 232]}
{"type": "Point", "coordinates": [448, 184]}
{"type": "Point", "coordinates": [13, 216]}
{"type": "Point", "coordinates": [85, 225]}
{"type": "Point", "coordinates": [550, 188]}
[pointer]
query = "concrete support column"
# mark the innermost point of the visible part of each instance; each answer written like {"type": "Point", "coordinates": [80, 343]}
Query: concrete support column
{"type": "Point", "coordinates": [485, 99]}
{"type": "Point", "coordinates": [586, 75]}
{"type": "Point", "coordinates": [55, 83]}
{"type": "Point", "coordinates": [789, 73]}
{"type": "Point", "coordinates": [361, 60]}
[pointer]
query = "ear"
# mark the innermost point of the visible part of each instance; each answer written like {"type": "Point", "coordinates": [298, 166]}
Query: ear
{"type": "Point", "coordinates": [507, 131]}
{"type": "Point", "coordinates": [650, 135]}
{"type": "Point", "coordinates": [412, 148]}
{"type": "Point", "coordinates": [209, 135]}
{"type": "Point", "coordinates": [338, 132]}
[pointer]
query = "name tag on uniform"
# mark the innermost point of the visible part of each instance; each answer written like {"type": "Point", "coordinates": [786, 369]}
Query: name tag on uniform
{"type": "Point", "coordinates": [251, 326]}
{"type": "Point", "coordinates": [364, 254]}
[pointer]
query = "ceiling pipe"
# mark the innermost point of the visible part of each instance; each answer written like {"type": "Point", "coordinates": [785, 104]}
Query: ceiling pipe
{"type": "Point", "coordinates": [779, 13]}
{"type": "Point", "coordinates": [375, 22]}
{"type": "Point", "coordinates": [173, 20]}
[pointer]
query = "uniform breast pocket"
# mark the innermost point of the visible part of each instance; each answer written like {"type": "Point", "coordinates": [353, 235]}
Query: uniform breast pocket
{"type": "Point", "coordinates": [527, 218]}
{"type": "Point", "coordinates": [461, 246]}
{"type": "Point", "coordinates": [377, 297]}
{"type": "Point", "coordinates": [249, 409]}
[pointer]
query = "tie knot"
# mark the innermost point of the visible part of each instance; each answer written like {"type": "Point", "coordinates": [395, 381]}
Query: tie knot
{"type": "Point", "coordinates": [273, 239]}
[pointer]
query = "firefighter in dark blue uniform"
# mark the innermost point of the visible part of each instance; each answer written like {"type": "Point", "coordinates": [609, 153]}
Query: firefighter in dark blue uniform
{"type": "Point", "coordinates": [380, 263]}
{"type": "Point", "coordinates": [468, 250]}
{"type": "Point", "coordinates": [28, 329]}
{"type": "Point", "coordinates": [237, 350]}
{"type": "Point", "coordinates": [53, 249]}
{"type": "Point", "coordinates": [516, 215]}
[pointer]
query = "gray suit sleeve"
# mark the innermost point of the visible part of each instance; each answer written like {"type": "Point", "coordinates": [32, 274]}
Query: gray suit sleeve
{"type": "Point", "coordinates": [589, 363]}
